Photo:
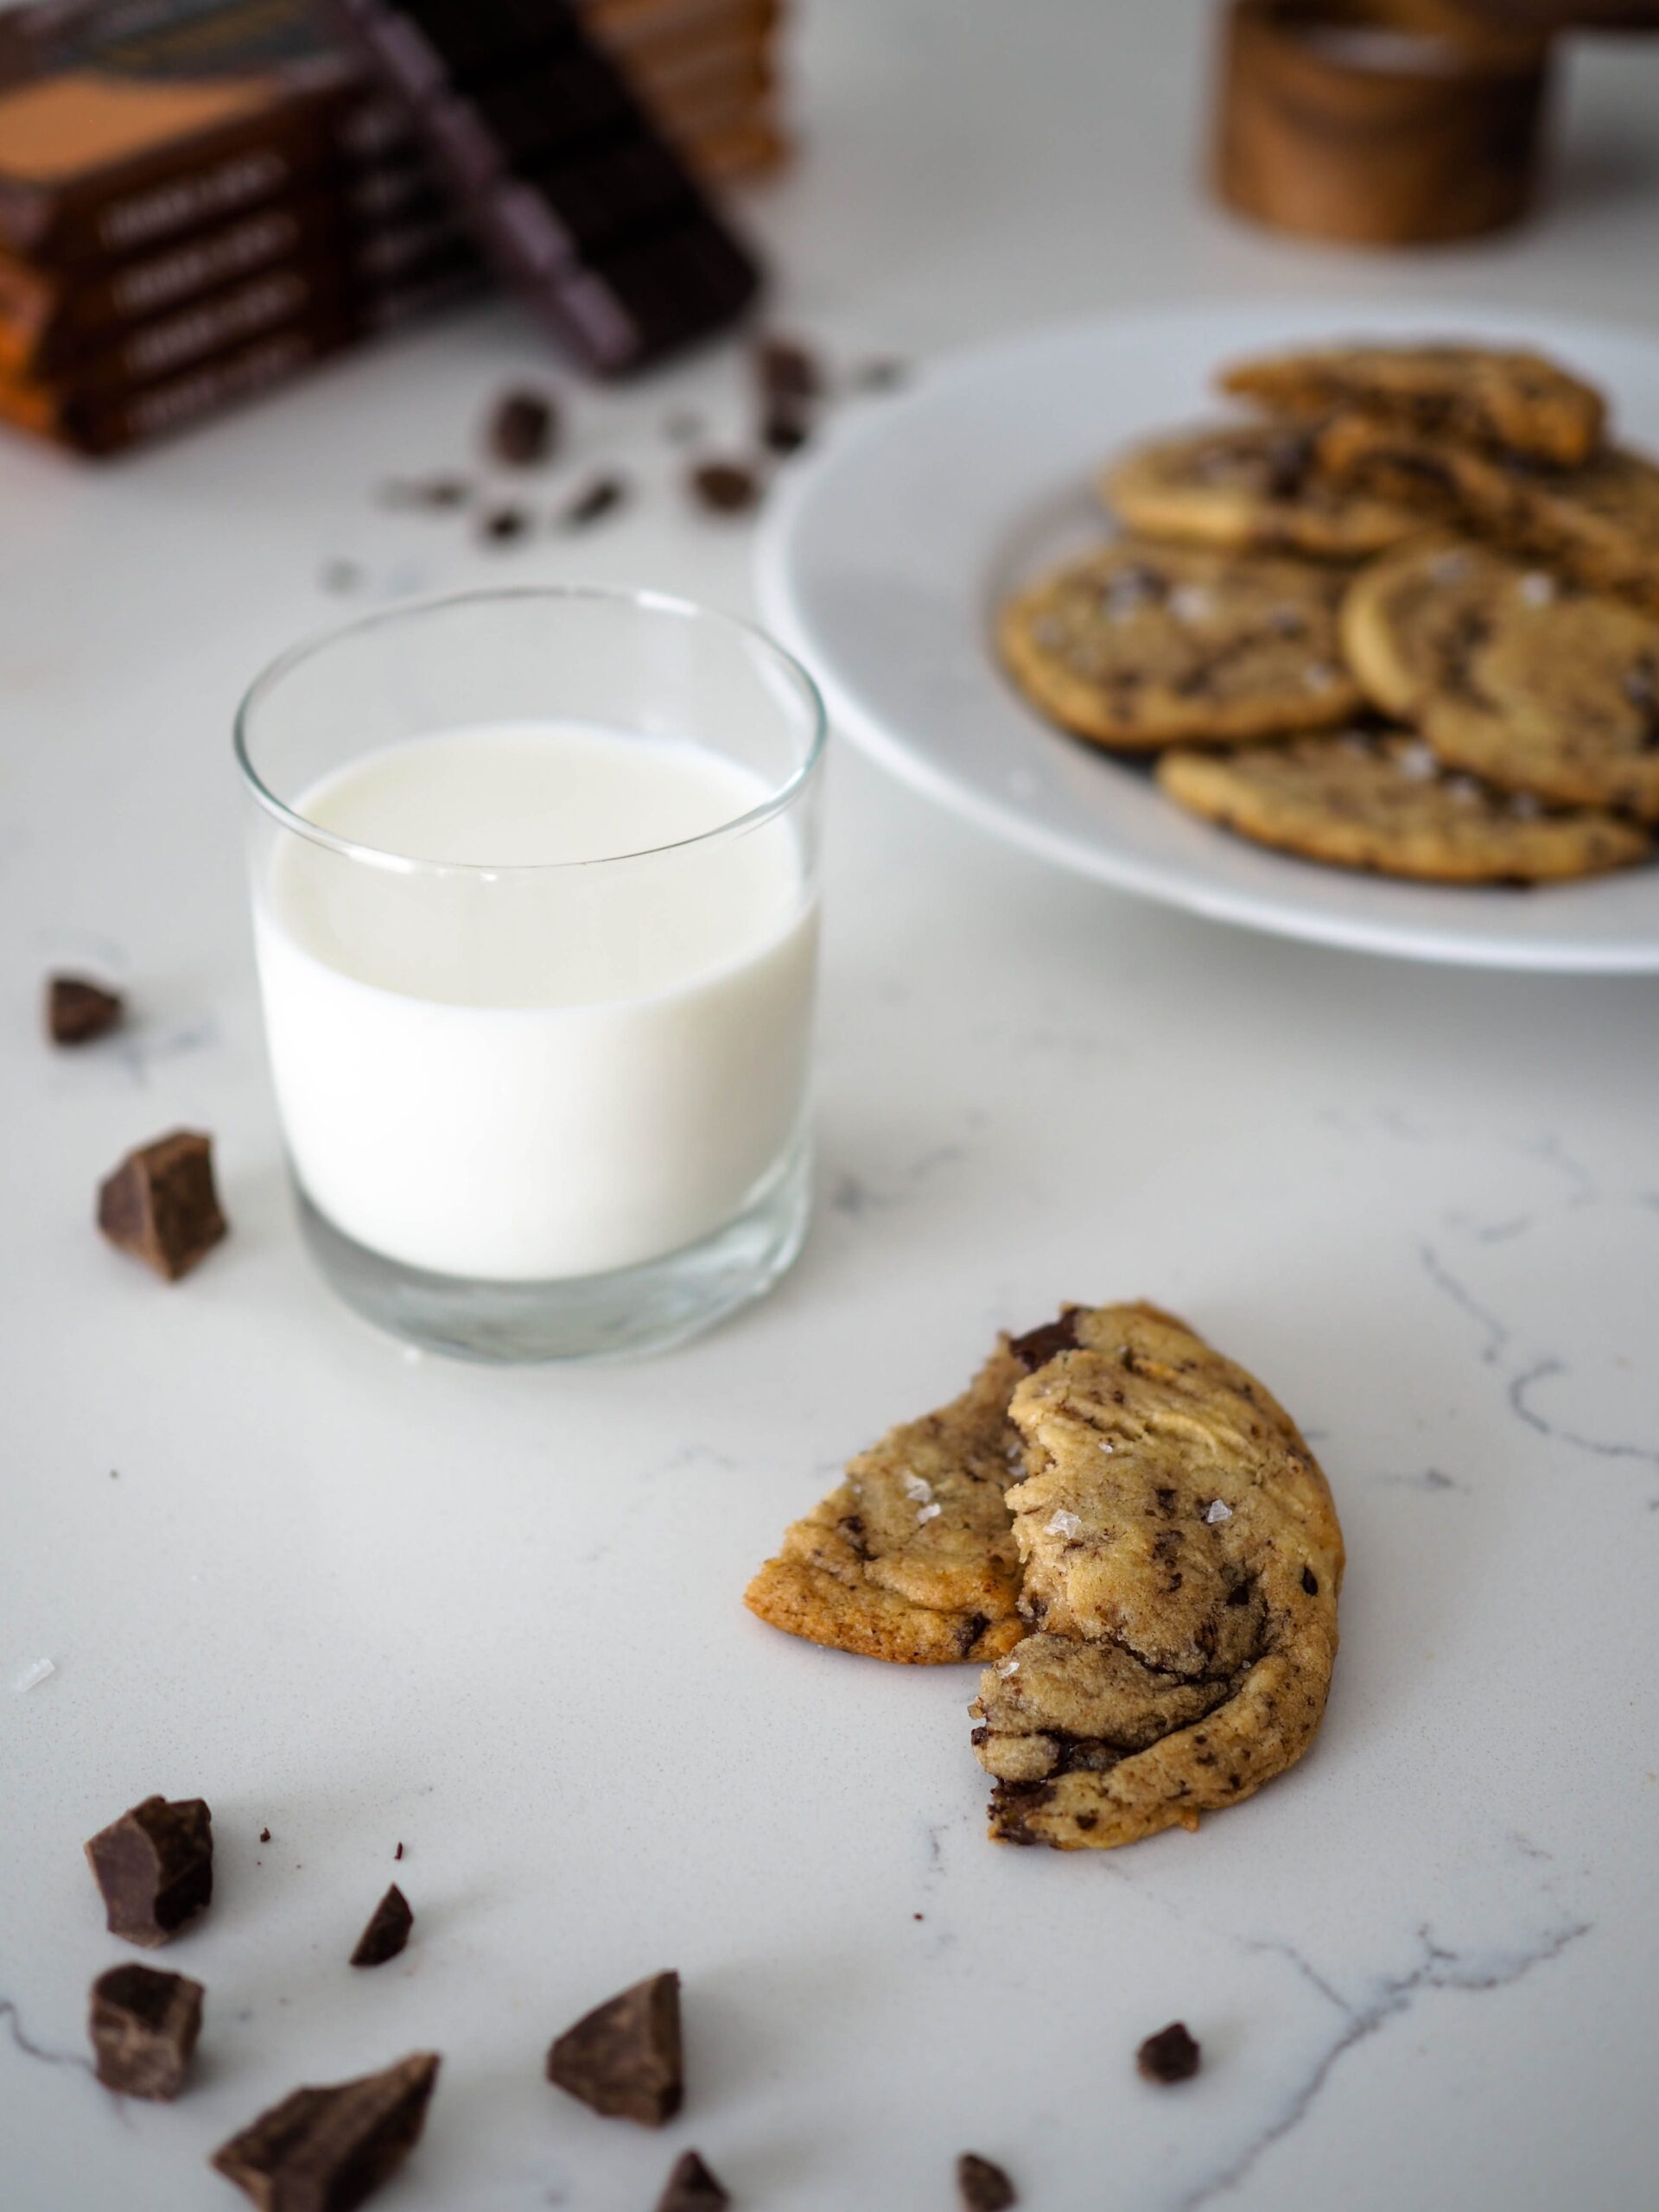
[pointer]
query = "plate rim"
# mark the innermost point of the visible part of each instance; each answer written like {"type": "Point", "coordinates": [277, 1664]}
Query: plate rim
{"type": "Point", "coordinates": [776, 537]}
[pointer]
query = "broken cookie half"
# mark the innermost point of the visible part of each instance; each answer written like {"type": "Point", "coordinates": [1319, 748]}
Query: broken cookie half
{"type": "Point", "coordinates": [1181, 1560]}
{"type": "Point", "coordinates": [912, 1557]}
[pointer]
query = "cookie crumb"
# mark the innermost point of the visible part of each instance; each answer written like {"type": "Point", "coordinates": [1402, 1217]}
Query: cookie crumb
{"type": "Point", "coordinates": [1170, 2056]}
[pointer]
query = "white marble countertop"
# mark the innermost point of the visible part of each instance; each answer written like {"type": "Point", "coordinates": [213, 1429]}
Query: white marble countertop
{"type": "Point", "coordinates": [493, 1616]}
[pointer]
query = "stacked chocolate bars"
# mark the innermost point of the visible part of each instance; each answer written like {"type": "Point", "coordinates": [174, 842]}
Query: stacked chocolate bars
{"type": "Point", "coordinates": [198, 198]}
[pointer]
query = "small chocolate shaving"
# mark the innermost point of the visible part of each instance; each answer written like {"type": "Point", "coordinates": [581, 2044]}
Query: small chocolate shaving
{"type": "Point", "coordinates": [435, 495]}
{"type": "Point", "coordinates": [78, 1010]}
{"type": "Point", "coordinates": [504, 525]}
{"type": "Point", "coordinates": [143, 2025]}
{"type": "Point", "coordinates": [623, 2059]}
{"type": "Point", "coordinates": [723, 487]}
{"type": "Point", "coordinates": [155, 1868]}
{"type": "Point", "coordinates": [602, 496]}
{"type": "Point", "coordinates": [265, 1835]}
{"type": "Point", "coordinates": [691, 2188]}
{"type": "Point", "coordinates": [1170, 2056]}
{"type": "Point", "coordinates": [328, 2150]}
{"type": "Point", "coordinates": [161, 1206]}
{"type": "Point", "coordinates": [523, 429]}
{"type": "Point", "coordinates": [1038, 1346]}
{"type": "Point", "coordinates": [786, 368]}
{"type": "Point", "coordinates": [399, 1852]}
{"type": "Point", "coordinates": [982, 2185]}
{"type": "Point", "coordinates": [785, 427]}
{"type": "Point", "coordinates": [387, 1931]}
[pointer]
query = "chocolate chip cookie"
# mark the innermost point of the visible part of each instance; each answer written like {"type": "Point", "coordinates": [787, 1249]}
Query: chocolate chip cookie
{"type": "Point", "coordinates": [1596, 525]}
{"type": "Point", "coordinates": [1511, 675]}
{"type": "Point", "coordinates": [1509, 401]}
{"type": "Point", "coordinates": [1251, 487]}
{"type": "Point", "coordinates": [1142, 645]}
{"type": "Point", "coordinates": [1380, 799]}
{"type": "Point", "coordinates": [1182, 1561]}
{"type": "Point", "coordinates": [912, 1557]}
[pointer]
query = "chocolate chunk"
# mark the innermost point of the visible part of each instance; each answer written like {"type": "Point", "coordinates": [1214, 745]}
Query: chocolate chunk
{"type": "Point", "coordinates": [1170, 2056]}
{"type": "Point", "coordinates": [523, 429]}
{"type": "Point", "coordinates": [160, 1204]}
{"type": "Point", "coordinates": [1309, 1582]}
{"type": "Point", "coordinates": [438, 494]}
{"type": "Point", "coordinates": [155, 1868]}
{"type": "Point", "coordinates": [723, 487]}
{"type": "Point", "coordinates": [76, 1010]}
{"type": "Point", "coordinates": [983, 2187]}
{"type": "Point", "coordinates": [330, 2150]}
{"type": "Point", "coordinates": [144, 2025]}
{"type": "Point", "coordinates": [387, 1931]}
{"type": "Point", "coordinates": [399, 1852]}
{"type": "Point", "coordinates": [691, 2188]}
{"type": "Point", "coordinates": [504, 525]}
{"type": "Point", "coordinates": [784, 427]}
{"type": "Point", "coordinates": [1038, 1346]}
{"type": "Point", "coordinates": [265, 1835]}
{"type": "Point", "coordinates": [623, 2058]}
{"type": "Point", "coordinates": [786, 368]}
{"type": "Point", "coordinates": [600, 498]}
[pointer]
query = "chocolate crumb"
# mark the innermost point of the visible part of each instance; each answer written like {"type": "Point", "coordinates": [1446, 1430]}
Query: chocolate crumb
{"type": "Point", "coordinates": [328, 2150]}
{"type": "Point", "coordinates": [1309, 1582]}
{"type": "Point", "coordinates": [1170, 2056]}
{"type": "Point", "coordinates": [602, 496]}
{"type": "Point", "coordinates": [916, 1916]}
{"type": "Point", "coordinates": [786, 368]}
{"type": "Point", "coordinates": [78, 1010]}
{"type": "Point", "coordinates": [785, 427]}
{"type": "Point", "coordinates": [623, 2059]}
{"type": "Point", "coordinates": [1038, 1346]}
{"type": "Point", "coordinates": [161, 1206]}
{"type": "Point", "coordinates": [387, 1931]}
{"type": "Point", "coordinates": [504, 525]}
{"type": "Point", "coordinates": [691, 2188]}
{"type": "Point", "coordinates": [523, 429]}
{"type": "Point", "coordinates": [399, 1852]}
{"type": "Point", "coordinates": [155, 1868]}
{"type": "Point", "coordinates": [265, 1835]}
{"type": "Point", "coordinates": [983, 2186]}
{"type": "Point", "coordinates": [143, 2025]}
{"type": "Point", "coordinates": [437, 494]}
{"type": "Point", "coordinates": [723, 487]}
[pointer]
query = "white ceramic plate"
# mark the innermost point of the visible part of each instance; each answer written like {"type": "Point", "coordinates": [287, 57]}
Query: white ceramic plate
{"type": "Point", "coordinates": [881, 559]}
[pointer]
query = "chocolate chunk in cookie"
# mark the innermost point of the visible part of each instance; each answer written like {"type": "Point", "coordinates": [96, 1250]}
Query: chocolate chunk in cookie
{"type": "Point", "coordinates": [1380, 799]}
{"type": "Point", "coordinates": [1513, 675]}
{"type": "Point", "coordinates": [160, 1204]}
{"type": "Point", "coordinates": [328, 2150]}
{"type": "Point", "coordinates": [154, 1868]}
{"type": "Point", "coordinates": [143, 2025]}
{"type": "Point", "coordinates": [623, 2059]}
{"type": "Point", "coordinates": [1251, 487]}
{"type": "Point", "coordinates": [1142, 645]}
{"type": "Point", "coordinates": [1177, 1662]}
{"type": "Point", "coordinates": [1482, 396]}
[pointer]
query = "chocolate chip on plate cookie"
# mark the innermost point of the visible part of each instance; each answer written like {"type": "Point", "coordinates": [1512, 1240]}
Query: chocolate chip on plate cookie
{"type": "Point", "coordinates": [1144, 644]}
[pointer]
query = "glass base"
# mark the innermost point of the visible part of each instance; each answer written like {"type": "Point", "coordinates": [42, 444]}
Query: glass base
{"type": "Point", "coordinates": [615, 1316]}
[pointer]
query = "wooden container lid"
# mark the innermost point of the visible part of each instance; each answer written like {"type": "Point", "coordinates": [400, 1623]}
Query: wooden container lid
{"type": "Point", "coordinates": [1357, 120]}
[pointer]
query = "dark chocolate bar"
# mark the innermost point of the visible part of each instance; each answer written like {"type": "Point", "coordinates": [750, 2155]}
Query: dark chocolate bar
{"type": "Point", "coordinates": [569, 186]}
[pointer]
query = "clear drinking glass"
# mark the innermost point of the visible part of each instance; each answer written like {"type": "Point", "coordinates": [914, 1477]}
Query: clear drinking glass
{"type": "Point", "coordinates": [540, 1101]}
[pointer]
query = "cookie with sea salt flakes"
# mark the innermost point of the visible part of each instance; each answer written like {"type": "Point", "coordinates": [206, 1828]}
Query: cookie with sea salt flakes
{"type": "Point", "coordinates": [912, 1557]}
{"type": "Point", "coordinates": [1182, 1561]}
{"type": "Point", "coordinates": [1381, 800]}
{"type": "Point", "coordinates": [1512, 676]}
{"type": "Point", "coordinates": [1142, 645]}
{"type": "Point", "coordinates": [1518, 402]}
{"type": "Point", "coordinates": [1251, 487]}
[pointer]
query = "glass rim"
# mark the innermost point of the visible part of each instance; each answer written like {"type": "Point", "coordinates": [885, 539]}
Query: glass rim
{"type": "Point", "coordinates": [639, 599]}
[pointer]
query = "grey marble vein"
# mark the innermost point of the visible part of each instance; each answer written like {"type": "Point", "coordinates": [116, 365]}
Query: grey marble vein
{"type": "Point", "coordinates": [1497, 1331]}
{"type": "Point", "coordinates": [1543, 1370]}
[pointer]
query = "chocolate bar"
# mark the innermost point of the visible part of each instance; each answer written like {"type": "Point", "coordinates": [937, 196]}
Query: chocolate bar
{"type": "Point", "coordinates": [574, 193]}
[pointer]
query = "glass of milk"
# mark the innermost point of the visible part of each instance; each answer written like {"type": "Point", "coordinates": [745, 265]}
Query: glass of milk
{"type": "Point", "coordinates": [535, 897]}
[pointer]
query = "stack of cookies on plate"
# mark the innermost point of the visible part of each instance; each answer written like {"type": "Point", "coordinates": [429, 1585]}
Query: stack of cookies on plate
{"type": "Point", "coordinates": [1406, 618]}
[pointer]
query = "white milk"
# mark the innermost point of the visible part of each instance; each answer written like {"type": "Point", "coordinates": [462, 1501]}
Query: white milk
{"type": "Point", "coordinates": [535, 1072]}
